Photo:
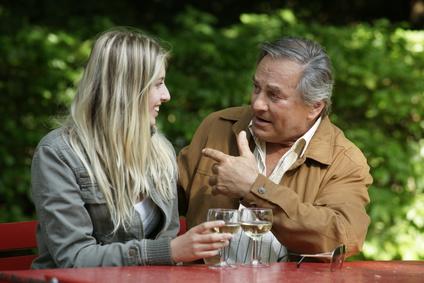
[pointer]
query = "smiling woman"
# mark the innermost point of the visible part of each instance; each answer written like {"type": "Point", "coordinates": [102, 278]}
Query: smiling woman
{"type": "Point", "coordinates": [104, 184]}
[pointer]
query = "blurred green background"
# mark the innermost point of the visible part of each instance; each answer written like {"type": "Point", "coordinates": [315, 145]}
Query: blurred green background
{"type": "Point", "coordinates": [377, 51]}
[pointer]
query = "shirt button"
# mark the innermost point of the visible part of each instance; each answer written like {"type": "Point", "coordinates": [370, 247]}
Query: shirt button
{"type": "Point", "coordinates": [132, 252]}
{"type": "Point", "coordinates": [262, 190]}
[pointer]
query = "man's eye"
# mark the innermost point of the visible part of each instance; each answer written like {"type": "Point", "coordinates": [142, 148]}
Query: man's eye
{"type": "Point", "coordinates": [274, 96]}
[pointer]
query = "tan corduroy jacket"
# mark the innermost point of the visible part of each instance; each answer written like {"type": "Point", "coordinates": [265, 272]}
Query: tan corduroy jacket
{"type": "Point", "coordinates": [320, 202]}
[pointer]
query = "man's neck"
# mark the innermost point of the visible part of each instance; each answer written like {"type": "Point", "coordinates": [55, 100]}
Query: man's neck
{"type": "Point", "coordinates": [278, 148]}
{"type": "Point", "coordinates": [274, 152]}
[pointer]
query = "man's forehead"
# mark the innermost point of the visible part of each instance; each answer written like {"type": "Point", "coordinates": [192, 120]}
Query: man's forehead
{"type": "Point", "coordinates": [275, 73]}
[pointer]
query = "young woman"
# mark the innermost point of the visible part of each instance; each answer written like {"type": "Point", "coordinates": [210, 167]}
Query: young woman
{"type": "Point", "coordinates": [104, 184]}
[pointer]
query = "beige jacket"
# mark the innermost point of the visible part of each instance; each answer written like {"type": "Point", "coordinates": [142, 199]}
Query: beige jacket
{"type": "Point", "coordinates": [320, 202]}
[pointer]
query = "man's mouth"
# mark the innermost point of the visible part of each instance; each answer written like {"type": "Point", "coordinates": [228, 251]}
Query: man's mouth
{"type": "Point", "coordinates": [259, 120]}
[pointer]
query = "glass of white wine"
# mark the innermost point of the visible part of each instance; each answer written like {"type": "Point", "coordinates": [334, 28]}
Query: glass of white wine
{"type": "Point", "coordinates": [231, 217]}
{"type": "Point", "coordinates": [256, 222]}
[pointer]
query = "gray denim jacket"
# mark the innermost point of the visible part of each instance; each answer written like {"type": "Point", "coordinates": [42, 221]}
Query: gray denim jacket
{"type": "Point", "coordinates": [75, 227]}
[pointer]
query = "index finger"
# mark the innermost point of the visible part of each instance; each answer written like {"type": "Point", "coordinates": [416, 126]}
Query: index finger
{"type": "Point", "coordinates": [206, 226]}
{"type": "Point", "coordinates": [214, 154]}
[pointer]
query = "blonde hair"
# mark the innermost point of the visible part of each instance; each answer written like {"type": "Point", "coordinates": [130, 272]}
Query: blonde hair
{"type": "Point", "coordinates": [109, 124]}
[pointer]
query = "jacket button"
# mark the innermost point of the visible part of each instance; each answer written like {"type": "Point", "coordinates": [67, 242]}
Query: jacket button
{"type": "Point", "coordinates": [262, 190]}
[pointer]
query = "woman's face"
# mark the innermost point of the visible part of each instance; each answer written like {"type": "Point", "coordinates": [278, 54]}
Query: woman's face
{"type": "Point", "coordinates": [158, 94]}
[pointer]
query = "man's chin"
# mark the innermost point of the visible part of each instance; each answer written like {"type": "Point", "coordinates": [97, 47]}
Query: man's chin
{"type": "Point", "coordinates": [259, 133]}
{"type": "Point", "coordinates": [265, 136]}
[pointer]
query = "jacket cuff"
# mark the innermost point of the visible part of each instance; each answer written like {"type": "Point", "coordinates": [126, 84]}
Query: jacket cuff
{"type": "Point", "coordinates": [265, 193]}
{"type": "Point", "coordinates": [158, 252]}
{"type": "Point", "coordinates": [257, 188]}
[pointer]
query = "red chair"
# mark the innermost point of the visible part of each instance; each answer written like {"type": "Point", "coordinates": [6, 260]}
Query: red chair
{"type": "Point", "coordinates": [17, 245]}
{"type": "Point", "coordinates": [18, 242]}
{"type": "Point", "coordinates": [183, 226]}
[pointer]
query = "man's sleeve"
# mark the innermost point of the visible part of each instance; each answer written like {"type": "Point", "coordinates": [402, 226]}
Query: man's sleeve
{"type": "Point", "coordinates": [336, 215]}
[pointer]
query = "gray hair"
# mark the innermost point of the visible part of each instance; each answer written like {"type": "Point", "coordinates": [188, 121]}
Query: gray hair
{"type": "Point", "coordinates": [316, 83]}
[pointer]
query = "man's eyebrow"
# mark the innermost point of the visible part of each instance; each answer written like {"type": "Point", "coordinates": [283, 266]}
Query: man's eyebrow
{"type": "Point", "coordinates": [273, 88]}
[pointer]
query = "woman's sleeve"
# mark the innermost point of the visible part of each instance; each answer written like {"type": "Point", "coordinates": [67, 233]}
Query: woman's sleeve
{"type": "Point", "coordinates": [66, 226]}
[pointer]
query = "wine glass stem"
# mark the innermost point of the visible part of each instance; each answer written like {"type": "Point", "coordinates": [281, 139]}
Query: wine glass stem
{"type": "Point", "coordinates": [222, 257]}
{"type": "Point", "coordinates": [255, 256]}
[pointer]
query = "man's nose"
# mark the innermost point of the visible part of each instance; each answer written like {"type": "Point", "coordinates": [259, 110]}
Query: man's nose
{"type": "Point", "coordinates": [259, 102]}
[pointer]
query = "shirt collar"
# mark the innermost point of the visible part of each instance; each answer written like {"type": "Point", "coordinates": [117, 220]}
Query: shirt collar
{"type": "Point", "coordinates": [309, 134]}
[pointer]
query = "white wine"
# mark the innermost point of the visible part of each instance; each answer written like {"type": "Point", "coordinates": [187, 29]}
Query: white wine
{"type": "Point", "coordinates": [230, 228]}
{"type": "Point", "coordinates": [256, 229]}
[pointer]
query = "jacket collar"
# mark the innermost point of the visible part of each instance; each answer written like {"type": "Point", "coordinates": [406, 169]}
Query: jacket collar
{"type": "Point", "coordinates": [322, 143]}
{"type": "Point", "coordinates": [319, 149]}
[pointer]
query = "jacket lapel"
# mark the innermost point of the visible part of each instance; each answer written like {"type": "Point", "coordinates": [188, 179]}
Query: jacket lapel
{"type": "Point", "coordinates": [241, 119]}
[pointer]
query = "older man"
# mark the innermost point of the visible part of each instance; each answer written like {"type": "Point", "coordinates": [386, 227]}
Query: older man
{"type": "Point", "coordinates": [281, 152]}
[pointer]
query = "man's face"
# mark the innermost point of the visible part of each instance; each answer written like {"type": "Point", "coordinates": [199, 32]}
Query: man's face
{"type": "Point", "coordinates": [280, 115]}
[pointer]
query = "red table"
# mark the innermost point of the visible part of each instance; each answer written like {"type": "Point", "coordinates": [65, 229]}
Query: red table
{"type": "Point", "coordinates": [359, 271]}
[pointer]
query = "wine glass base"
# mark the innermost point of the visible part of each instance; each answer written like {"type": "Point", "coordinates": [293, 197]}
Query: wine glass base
{"type": "Point", "coordinates": [256, 264]}
{"type": "Point", "coordinates": [222, 265]}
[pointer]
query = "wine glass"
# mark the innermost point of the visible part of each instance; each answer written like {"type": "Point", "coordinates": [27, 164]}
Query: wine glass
{"type": "Point", "coordinates": [231, 218]}
{"type": "Point", "coordinates": [255, 222]}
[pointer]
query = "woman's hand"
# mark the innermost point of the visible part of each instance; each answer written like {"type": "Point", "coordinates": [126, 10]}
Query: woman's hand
{"type": "Point", "coordinates": [199, 242]}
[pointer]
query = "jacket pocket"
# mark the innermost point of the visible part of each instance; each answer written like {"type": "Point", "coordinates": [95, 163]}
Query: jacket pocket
{"type": "Point", "coordinates": [205, 166]}
{"type": "Point", "coordinates": [201, 179]}
{"type": "Point", "coordinates": [90, 192]}
{"type": "Point", "coordinates": [95, 203]}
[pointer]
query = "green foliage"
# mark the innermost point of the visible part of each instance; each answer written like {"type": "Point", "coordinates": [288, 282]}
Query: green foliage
{"type": "Point", "coordinates": [378, 101]}
{"type": "Point", "coordinates": [38, 70]}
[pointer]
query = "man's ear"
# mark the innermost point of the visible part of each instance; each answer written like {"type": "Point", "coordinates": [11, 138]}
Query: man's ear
{"type": "Point", "coordinates": [316, 109]}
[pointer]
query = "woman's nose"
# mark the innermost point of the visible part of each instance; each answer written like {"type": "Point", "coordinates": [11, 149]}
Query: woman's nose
{"type": "Point", "coordinates": [166, 96]}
